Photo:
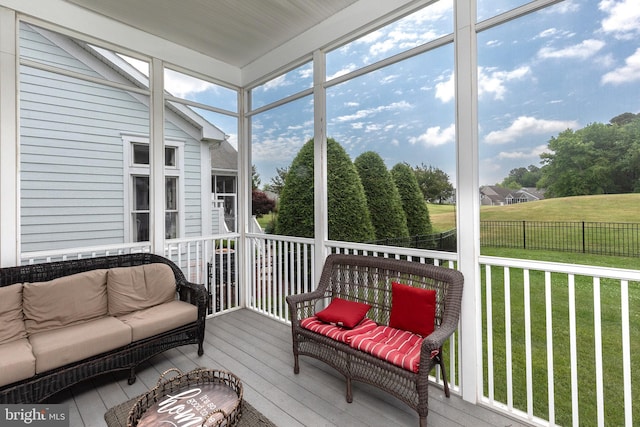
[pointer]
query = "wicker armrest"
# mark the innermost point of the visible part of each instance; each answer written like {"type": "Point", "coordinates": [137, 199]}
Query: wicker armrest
{"type": "Point", "coordinates": [302, 306]}
{"type": "Point", "coordinates": [195, 294]}
{"type": "Point", "coordinates": [436, 339]}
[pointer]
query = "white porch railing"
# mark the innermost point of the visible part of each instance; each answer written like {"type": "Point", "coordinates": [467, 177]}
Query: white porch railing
{"type": "Point", "coordinates": [586, 318]}
{"type": "Point", "coordinates": [554, 335]}
{"type": "Point", "coordinates": [79, 253]}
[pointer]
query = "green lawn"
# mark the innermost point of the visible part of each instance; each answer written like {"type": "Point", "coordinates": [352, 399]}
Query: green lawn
{"type": "Point", "coordinates": [610, 296]}
{"type": "Point", "coordinates": [604, 208]}
{"type": "Point", "coordinates": [601, 208]}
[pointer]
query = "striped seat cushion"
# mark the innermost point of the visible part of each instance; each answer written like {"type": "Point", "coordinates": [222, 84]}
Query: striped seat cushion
{"type": "Point", "coordinates": [336, 332]}
{"type": "Point", "coordinates": [402, 348]}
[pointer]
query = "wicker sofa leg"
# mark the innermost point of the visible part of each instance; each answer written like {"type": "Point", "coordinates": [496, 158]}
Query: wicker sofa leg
{"type": "Point", "coordinates": [296, 364]}
{"type": "Point", "coordinates": [443, 371]}
{"type": "Point", "coordinates": [132, 376]}
{"type": "Point", "coordinates": [423, 421]}
{"type": "Point", "coordinates": [349, 391]}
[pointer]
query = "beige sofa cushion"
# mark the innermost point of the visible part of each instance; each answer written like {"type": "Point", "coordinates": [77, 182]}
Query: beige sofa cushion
{"type": "Point", "coordinates": [18, 361]}
{"type": "Point", "coordinates": [160, 318]}
{"type": "Point", "coordinates": [135, 288]}
{"type": "Point", "coordinates": [65, 301]}
{"type": "Point", "coordinates": [11, 318]}
{"type": "Point", "coordinates": [58, 347]}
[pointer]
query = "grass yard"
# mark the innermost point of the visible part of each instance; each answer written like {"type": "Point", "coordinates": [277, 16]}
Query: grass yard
{"type": "Point", "coordinates": [443, 217]}
{"type": "Point", "coordinates": [610, 304]}
{"type": "Point", "coordinates": [604, 208]}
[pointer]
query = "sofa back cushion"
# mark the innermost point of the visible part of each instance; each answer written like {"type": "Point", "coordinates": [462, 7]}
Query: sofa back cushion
{"type": "Point", "coordinates": [135, 288]}
{"type": "Point", "coordinates": [64, 301]}
{"type": "Point", "coordinates": [11, 317]}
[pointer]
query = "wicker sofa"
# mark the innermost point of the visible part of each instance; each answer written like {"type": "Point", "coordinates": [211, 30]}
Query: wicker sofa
{"type": "Point", "coordinates": [67, 321]}
{"type": "Point", "coordinates": [374, 282]}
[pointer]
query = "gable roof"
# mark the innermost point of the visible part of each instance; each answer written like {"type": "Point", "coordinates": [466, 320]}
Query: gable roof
{"type": "Point", "coordinates": [499, 195]}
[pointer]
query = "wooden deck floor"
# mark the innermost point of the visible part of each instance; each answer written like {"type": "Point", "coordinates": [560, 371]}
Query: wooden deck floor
{"type": "Point", "coordinates": [258, 350]}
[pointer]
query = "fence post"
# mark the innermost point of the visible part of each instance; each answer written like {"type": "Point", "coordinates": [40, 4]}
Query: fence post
{"type": "Point", "coordinates": [584, 246]}
{"type": "Point", "coordinates": [524, 234]}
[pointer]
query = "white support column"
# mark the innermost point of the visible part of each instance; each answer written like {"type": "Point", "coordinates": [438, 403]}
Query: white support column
{"type": "Point", "coordinates": [468, 197]}
{"type": "Point", "coordinates": [243, 190]}
{"type": "Point", "coordinates": [321, 232]}
{"type": "Point", "coordinates": [9, 159]}
{"type": "Point", "coordinates": [157, 203]}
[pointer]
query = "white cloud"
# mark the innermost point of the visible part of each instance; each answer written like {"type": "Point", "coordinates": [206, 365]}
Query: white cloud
{"type": "Point", "coordinates": [628, 73]}
{"type": "Point", "coordinates": [275, 83]}
{"type": "Point", "coordinates": [410, 31]}
{"type": "Point", "coordinates": [531, 154]}
{"type": "Point", "coordinates": [623, 20]}
{"type": "Point", "coordinates": [445, 90]}
{"type": "Point", "coordinates": [492, 82]}
{"type": "Point", "coordinates": [567, 6]}
{"type": "Point", "coordinates": [361, 114]}
{"type": "Point", "coordinates": [583, 50]}
{"type": "Point", "coordinates": [525, 125]}
{"type": "Point", "coordinates": [389, 79]}
{"type": "Point", "coordinates": [182, 85]}
{"type": "Point", "coordinates": [548, 33]}
{"type": "Point", "coordinates": [281, 149]}
{"type": "Point", "coordinates": [435, 136]}
{"type": "Point", "coordinates": [306, 73]}
{"type": "Point", "coordinates": [344, 70]}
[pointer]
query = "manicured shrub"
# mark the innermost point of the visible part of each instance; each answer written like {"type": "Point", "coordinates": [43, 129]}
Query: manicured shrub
{"type": "Point", "coordinates": [383, 198]}
{"type": "Point", "coordinates": [348, 216]}
{"type": "Point", "coordinates": [415, 208]}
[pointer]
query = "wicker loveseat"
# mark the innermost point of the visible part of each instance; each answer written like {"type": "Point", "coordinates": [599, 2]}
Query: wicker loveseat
{"type": "Point", "coordinates": [373, 281]}
{"type": "Point", "coordinates": [64, 322]}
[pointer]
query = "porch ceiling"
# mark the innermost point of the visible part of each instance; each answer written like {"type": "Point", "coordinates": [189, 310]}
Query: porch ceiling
{"type": "Point", "coordinates": [236, 32]}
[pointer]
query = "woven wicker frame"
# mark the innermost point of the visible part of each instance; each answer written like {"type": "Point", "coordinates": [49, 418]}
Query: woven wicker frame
{"type": "Point", "coordinates": [368, 279]}
{"type": "Point", "coordinates": [41, 386]}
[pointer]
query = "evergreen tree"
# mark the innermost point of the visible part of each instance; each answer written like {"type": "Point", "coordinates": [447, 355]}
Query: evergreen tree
{"type": "Point", "coordinates": [348, 215]}
{"type": "Point", "coordinates": [413, 203]}
{"type": "Point", "coordinates": [383, 199]}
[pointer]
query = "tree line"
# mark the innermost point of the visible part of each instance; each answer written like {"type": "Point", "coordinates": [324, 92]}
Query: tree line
{"type": "Point", "coordinates": [366, 201]}
{"type": "Point", "coordinates": [597, 159]}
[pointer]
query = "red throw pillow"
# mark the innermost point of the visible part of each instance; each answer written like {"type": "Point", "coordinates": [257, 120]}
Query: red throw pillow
{"type": "Point", "coordinates": [344, 313]}
{"type": "Point", "coordinates": [412, 309]}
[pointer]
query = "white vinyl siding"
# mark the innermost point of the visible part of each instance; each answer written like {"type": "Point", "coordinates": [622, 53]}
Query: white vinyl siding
{"type": "Point", "coordinates": [192, 180]}
{"type": "Point", "coordinates": [72, 176]}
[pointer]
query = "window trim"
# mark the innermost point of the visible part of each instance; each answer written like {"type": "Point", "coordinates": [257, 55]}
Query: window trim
{"type": "Point", "coordinates": [130, 170]}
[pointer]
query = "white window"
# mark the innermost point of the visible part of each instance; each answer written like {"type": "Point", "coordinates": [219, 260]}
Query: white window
{"type": "Point", "coordinates": [137, 169]}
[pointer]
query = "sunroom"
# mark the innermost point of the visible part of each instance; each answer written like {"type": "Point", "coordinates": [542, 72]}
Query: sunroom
{"type": "Point", "coordinates": [142, 126]}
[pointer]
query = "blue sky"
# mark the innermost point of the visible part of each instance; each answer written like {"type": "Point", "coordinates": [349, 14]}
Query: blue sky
{"type": "Point", "coordinates": [569, 65]}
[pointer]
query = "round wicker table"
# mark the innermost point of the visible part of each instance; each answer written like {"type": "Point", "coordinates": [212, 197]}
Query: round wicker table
{"type": "Point", "coordinates": [203, 397]}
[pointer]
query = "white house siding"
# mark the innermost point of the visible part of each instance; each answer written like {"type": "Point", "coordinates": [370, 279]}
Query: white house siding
{"type": "Point", "coordinates": [71, 160]}
{"type": "Point", "coordinates": [192, 194]}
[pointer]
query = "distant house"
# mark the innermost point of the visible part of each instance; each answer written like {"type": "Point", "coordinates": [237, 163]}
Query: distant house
{"type": "Point", "coordinates": [493, 195]}
{"type": "Point", "coordinates": [85, 155]}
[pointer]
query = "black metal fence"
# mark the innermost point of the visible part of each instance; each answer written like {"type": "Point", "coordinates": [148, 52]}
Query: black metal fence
{"type": "Point", "coordinates": [602, 238]}
{"type": "Point", "coordinates": [445, 241]}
